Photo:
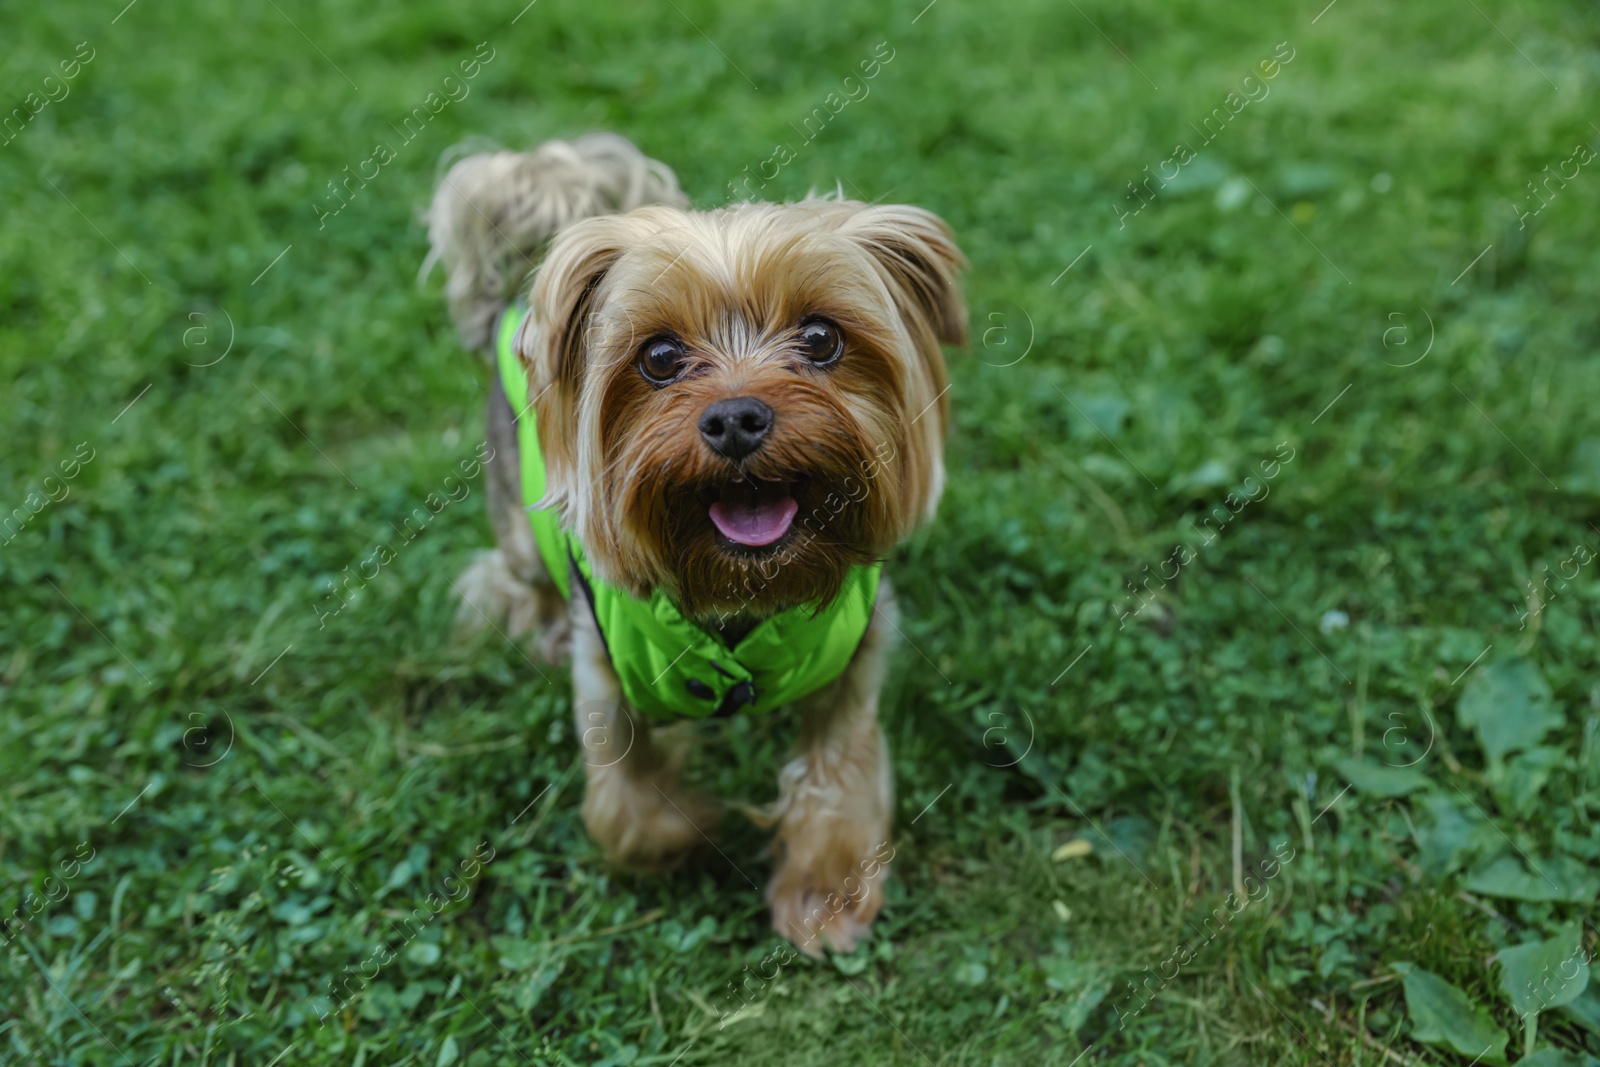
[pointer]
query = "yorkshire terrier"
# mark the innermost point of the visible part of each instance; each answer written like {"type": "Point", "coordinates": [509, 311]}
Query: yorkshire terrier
{"type": "Point", "coordinates": [708, 428]}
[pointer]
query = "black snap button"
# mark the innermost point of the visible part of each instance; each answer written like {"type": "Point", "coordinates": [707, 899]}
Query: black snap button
{"type": "Point", "coordinates": [740, 695]}
{"type": "Point", "coordinates": [700, 689]}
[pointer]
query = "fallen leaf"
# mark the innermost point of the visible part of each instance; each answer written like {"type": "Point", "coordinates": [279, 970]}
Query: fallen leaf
{"type": "Point", "coordinates": [1072, 850]}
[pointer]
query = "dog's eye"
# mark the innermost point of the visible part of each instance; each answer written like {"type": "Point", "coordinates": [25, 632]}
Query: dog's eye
{"type": "Point", "coordinates": [821, 341]}
{"type": "Point", "coordinates": [661, 360]}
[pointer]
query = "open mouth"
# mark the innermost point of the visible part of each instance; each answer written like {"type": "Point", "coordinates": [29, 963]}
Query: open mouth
{"type": "Point", "coordinates": [754, 513]}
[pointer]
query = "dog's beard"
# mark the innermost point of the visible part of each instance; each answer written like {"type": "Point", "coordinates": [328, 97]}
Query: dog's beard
{"type": "Point", "coordinates": [712, 575]}
{"type": "Point", "coordinates": [755, 538]}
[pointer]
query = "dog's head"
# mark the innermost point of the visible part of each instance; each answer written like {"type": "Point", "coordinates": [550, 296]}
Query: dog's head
{"type": "Point", "coordinates": [737, 406]}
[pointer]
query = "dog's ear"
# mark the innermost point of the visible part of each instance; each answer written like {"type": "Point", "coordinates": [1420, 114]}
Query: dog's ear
{"type": "Point", "coordinates": [917, 254]}
{"type": "Point", "coordinates": [553, 338]}
{"type": "Point", "coordinates": [553, 341]}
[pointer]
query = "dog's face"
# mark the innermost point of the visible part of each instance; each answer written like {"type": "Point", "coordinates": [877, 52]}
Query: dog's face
{"type": "Point", "coordinates": [739, 405]}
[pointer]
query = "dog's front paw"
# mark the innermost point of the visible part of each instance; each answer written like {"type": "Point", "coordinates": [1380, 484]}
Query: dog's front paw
{"type": "Point", "coordinates": [493, 596]}
{"type": "Point", "coordinates": [827, 894]}
{"type": "Point", "coordinates": [646, 823]}
{"type": "Point", "coordinates": [554, 642]}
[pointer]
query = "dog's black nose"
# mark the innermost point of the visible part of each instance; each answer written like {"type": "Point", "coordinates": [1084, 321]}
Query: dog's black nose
{"type": "Point", "coordinates": [736, 427]}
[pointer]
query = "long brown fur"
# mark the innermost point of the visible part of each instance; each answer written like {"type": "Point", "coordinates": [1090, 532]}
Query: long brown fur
{"type": "Point", "coordinates": [859, 443]}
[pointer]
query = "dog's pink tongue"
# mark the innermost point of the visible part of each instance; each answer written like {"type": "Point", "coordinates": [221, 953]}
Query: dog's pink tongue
{"type": "Point", "coordinates": [754, 520]}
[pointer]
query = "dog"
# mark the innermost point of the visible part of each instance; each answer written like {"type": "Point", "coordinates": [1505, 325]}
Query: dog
{"type": "Point", "coordinates": [709, 428]}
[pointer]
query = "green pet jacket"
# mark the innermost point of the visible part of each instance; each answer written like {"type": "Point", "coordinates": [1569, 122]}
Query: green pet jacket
{"type": "Point", "coordinates": [668, 666]}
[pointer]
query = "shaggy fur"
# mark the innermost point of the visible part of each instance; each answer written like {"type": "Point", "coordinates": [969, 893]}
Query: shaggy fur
{"type": "Point", "coordinates": [494, 212]}
{"type": "Point", "coordinates": [857, 444]}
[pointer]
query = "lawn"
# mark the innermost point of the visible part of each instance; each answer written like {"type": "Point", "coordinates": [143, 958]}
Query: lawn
{"type": "Point", "coordinates": [1248, 711]}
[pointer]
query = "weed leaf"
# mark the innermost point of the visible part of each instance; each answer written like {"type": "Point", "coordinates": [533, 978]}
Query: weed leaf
{"type": "Point", "coordinates": [1508, 705]}
{"type": "Point", "coordinates": [1376, 780]}
{"type": "Point", "coordinates": [1551, 879]}
{"type": "Point", "coordinates": [1443, 1015]}
{"type": "Point", "coordinates": [1541, 975]}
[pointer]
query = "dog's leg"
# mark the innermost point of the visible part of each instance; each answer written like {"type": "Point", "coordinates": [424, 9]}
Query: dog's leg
{"type": "Point", "coordinates": [835, 801]}
{"type": "Point", "coordinates": [633, 806]}
{"type": "Point", "coordinates": [509, 585]}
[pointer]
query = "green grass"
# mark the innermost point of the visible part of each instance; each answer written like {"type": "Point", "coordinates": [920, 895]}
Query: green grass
{"type": "Point", "coordinates": [167, 606]}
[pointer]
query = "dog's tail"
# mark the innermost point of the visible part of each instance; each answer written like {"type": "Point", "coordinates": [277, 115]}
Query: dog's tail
{"type": "Point", "coordinates": [494, 214]}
